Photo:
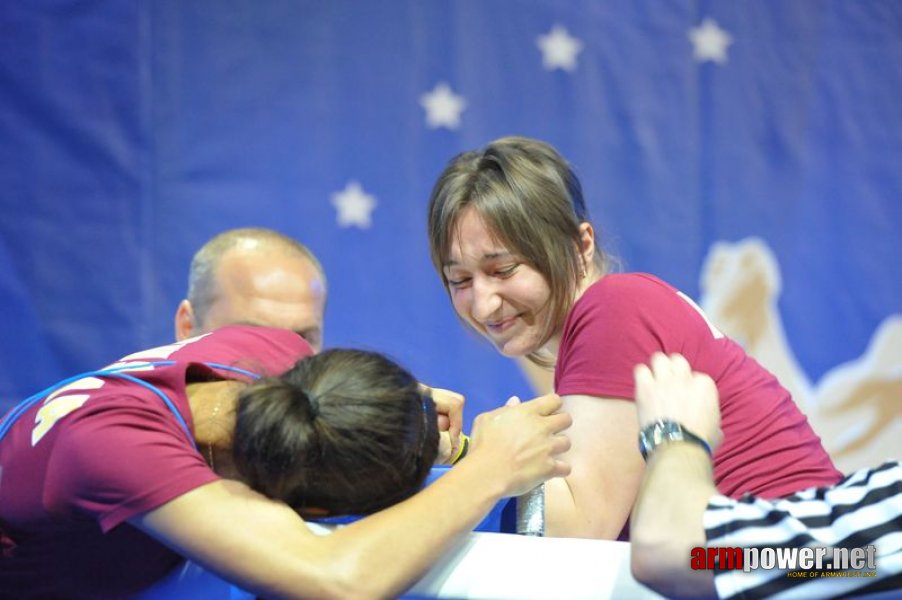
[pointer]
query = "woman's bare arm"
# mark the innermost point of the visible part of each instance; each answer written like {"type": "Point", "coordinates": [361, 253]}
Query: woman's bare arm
{"type": "Point", "coordinates": [595, 500]}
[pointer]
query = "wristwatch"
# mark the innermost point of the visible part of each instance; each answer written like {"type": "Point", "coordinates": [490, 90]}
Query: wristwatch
{"type": "Point", "coordinates": [664, 431]}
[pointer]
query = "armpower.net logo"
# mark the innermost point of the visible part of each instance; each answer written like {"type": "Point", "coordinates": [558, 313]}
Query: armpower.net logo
{"type": "Point", "coordinates": [797, 562]}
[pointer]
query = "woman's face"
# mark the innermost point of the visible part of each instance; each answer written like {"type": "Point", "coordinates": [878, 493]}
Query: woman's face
{"type": "Point", "coordinates": [494, 290]}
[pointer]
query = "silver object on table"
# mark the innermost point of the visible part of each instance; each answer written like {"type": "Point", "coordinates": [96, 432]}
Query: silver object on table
{"type": "Point", "coordinates": [531, 512]}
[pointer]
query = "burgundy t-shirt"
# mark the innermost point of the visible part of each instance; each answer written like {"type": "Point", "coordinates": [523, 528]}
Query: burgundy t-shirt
{"type": "Point", "coordinates": [101, 450]}
{"type": "Point", "coordinates": [768, 449]}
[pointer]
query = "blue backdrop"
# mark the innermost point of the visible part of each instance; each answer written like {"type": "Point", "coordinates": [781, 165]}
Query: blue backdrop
{"type": "Point", "coordinates": [131, 132]}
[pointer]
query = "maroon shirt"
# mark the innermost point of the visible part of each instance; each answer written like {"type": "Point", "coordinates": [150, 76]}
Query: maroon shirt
{"type": "Point", "coordinates": [768, 450]}
{"type": "Point", "coordinates": [80, 463]}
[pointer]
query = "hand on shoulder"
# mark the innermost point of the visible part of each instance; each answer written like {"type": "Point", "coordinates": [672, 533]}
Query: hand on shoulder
{"type": "Point", "coordinates": [667, 388]}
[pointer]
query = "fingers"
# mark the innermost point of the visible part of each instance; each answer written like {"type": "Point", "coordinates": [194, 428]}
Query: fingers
{"type": "Point", "coordinates": [644, 381]}
{"type": "Point", "coordinates": [455, 426]}
{"type": "Point", "coordinates": [444, 423]}
{"type": "Point", "coordinates": [449, 407]}
{"type": "Point", "coordinates": [669, 389]}
{"type": "Point", "coordinates": [523, 442]}
{"type": "Point", "coordinates": [545, 405]}
{"type": "Point", "coordinates": [679, 365]}
{"type": "Point", "coordinates": [648, 408]}
{"type": "Point", "coordinates": [561, 469]}
{"type": "Point", "coordinates": [445, 449]}
{"type": "Point", "coordinates": [557, 422]}
{"type": "Point", "coordinates": [673, 365]}
{"type": "Point", "coordinates": [559, 444]}
{"type": "Point", "coordinates": [660, 364]}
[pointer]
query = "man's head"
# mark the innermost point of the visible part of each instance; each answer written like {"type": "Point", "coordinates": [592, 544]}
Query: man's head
{"type": "Point", "coordinates": [255, 277]}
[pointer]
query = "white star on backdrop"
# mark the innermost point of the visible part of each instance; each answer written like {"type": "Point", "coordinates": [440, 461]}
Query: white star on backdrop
{"type": "Point", "coordinates": [354, 206]}
{"type": "Point", "coordinates": [559, 49]}
{"type": "Point", "coordinates": [443, 107]}
{"type": "Point", "coordinates": [710, 42]}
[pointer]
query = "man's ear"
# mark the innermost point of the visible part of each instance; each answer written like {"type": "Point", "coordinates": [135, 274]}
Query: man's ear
{"type": "Point", "coordinates": [586, 243]}
{"type": "Point", "coordinates": [184, 321]}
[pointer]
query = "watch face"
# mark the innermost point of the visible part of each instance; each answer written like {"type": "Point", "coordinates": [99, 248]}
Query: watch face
{"type": "Point", "coordinates": [655, 434]}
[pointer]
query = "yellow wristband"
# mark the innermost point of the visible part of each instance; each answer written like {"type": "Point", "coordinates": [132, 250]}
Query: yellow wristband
{"type": "Point", "coordinates": [462, 448]}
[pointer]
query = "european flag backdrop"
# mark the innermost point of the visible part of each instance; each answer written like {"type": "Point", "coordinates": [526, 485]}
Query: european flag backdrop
{"type": "Point", "coordinates": [131, 132]}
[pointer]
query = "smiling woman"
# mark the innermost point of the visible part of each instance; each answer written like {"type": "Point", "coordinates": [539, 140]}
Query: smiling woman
{"type": "Point", "coordinates": [512, 241]}
{"type": "Point", "coordinates": [486, 224]}
{"type": "Point", "coordinates": [479, 271]}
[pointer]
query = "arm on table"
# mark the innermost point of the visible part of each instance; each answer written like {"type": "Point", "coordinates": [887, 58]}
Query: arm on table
{"type": "Point", "coordinates": [264, 547]}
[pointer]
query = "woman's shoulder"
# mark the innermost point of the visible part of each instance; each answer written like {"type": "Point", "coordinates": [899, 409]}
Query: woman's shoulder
{"type": "Point", "coordinates": [624, 299]}
{"type": "Point", "coordinates": [618, 285]}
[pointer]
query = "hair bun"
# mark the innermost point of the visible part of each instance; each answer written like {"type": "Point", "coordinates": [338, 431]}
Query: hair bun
{"type": "Point", "coordinates": [310, 404]}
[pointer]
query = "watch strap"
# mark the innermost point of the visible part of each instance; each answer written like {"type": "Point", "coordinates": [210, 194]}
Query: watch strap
{"type": "Point", "coordinates": [666, 431]}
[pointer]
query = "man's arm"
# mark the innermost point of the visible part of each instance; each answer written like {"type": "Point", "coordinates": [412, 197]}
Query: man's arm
{"type": "Point", "coordinates": [266, 548]}
{"type": "Point", "coordinates": [667, 521]}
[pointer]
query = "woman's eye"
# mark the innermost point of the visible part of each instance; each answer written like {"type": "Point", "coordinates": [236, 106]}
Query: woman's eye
{"type": "Point", "coordinates": [506, 272]}
{"type": "Point", "coordinates": [458, 283]}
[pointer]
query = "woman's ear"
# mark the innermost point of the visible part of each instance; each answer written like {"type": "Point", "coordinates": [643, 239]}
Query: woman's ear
{"type": "Point", "coordinates": [586, 244]}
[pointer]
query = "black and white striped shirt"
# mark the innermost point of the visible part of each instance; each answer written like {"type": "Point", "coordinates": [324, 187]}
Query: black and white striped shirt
{"type": "Point", "coordinates": [864, 509]}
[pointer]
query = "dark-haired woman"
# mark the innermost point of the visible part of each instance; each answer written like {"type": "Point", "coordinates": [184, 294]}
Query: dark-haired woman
{"type": "Point", "coordinates": [112, 479]}
{"type": "Point", "coordinates": [512, 242]}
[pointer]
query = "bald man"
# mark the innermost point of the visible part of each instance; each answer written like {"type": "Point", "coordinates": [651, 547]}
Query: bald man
{"type": "Point", "coordinates": [254, 276]}
{"type": "Point", "coordinates": [257, 276]}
